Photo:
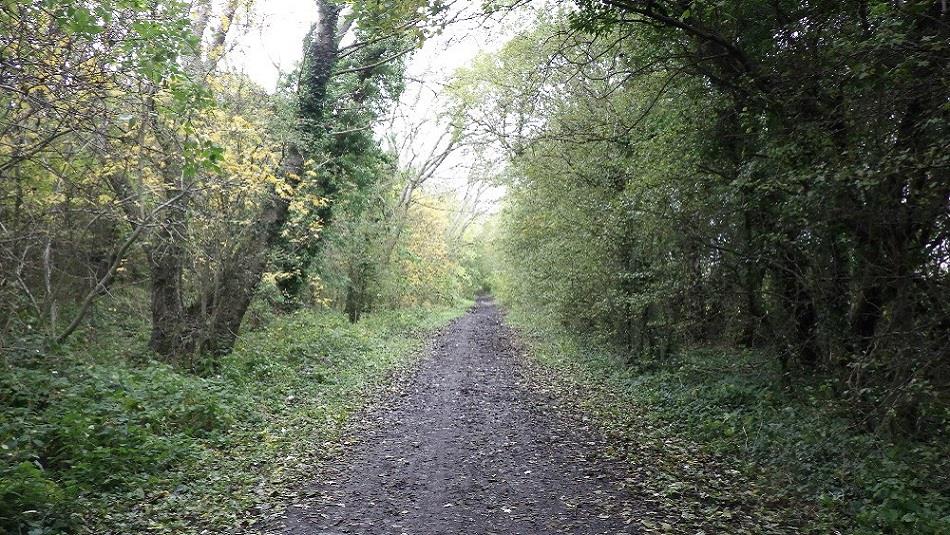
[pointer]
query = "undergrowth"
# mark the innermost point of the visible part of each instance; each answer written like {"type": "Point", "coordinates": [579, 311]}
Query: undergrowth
{"type": "Point", "coordinates": [98, 438]}
{"type": "Point", "coordinates": [816, 466]}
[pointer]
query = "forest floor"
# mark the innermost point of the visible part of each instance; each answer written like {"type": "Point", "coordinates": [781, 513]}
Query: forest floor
{"type": "Point", "coordinates": [475, 441]}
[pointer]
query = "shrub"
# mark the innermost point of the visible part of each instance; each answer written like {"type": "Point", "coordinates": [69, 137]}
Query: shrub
{"type": "Point", "coordinates": [29, 499]}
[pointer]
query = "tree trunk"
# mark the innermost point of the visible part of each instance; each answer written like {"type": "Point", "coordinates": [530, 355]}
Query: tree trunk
{"type": "Point", "coordinates": [168, 319]}
{"type": "Point", "coordinates": [352, 305]}
{"type": "Point", "coordinates": [211, 324]}
{"type": "Point", "coordinates": [242, 272]}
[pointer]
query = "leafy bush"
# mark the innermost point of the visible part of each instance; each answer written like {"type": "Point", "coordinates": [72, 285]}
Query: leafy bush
{"type": "Point", "coordinates": [29, 500]}
{"type": "Point", "coordinates": [100, 436]}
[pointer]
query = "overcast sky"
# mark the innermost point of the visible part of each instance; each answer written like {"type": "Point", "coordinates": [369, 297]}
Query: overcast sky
{"type": "Point", "coordinates": [272, 41]}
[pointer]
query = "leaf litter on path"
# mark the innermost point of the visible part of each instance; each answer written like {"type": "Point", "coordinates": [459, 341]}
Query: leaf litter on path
{"type": "Point", "coordinates": [475, 443]}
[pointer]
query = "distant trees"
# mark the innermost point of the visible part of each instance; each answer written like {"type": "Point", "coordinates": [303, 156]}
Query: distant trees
{"type": "Point", "coordinates": [374, 252]}
{"type": "Point", "coordinates": [396, 241]}
{"type": "Point", "coordinates": [766, 173]}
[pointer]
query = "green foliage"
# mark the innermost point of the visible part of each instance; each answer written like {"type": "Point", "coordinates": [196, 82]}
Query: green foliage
{"type": "Point", "coordinates": [94, 91]}
{"type": "Point", "coordinates": [731, 174]}
{"type": "Point", "coordinates": [343, 208]}
{"type": "Point", "coordinates": [90, 438]}
{"type": "Point", "coordinates": [794, 441]}
{"type": "Point", "coordinates": [24, 488]}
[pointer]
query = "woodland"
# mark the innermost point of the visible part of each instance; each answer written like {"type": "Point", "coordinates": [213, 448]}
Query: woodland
{"type": "Point", "coordinates": [733, 215]}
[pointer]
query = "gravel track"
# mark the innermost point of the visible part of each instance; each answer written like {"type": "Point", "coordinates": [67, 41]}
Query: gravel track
{"type": "Point", "coordinates": [468, 447]}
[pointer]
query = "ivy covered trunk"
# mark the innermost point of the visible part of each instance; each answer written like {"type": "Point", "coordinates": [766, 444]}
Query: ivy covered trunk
{"type": "Point", "coordinates": [211, 323]}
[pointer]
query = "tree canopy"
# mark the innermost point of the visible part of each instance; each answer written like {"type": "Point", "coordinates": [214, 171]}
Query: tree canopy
{"type": "Point", "coordinates": [656, 177]}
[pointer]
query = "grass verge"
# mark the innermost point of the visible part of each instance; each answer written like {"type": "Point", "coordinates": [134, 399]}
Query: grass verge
{"type": "Point", "coordinates": [714, 434]}
{"type": "Point", "coordinates": [97, 439]}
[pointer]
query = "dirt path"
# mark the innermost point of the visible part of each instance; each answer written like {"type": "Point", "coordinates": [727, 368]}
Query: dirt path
{"type": "Point", "coordinates": [469, 448]}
